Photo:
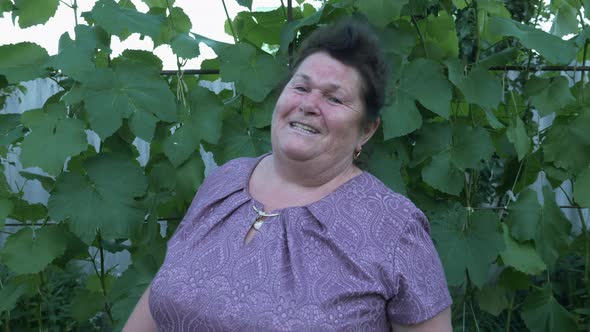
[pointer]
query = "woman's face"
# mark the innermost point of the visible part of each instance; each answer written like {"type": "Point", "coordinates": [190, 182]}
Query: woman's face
{"type": "Point", "coordinates": [319, 113]}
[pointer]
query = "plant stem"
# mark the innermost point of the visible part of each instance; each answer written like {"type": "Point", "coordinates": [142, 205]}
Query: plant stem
{"type": "Point", "coordinates": [464, 304]}
{"type": "Point", "coordinates": [474, 318]}
{"type": "Point", "coordinates": [283, 8]}
{"type": "Point", "coordinates": [102, 277]}
{"type": "Point", "coordinates": [231, 27]}
{"type": "Point", "coordinates": [7, 316]}
{"type": "Point", "coordinates": [421, 36]}
{"type": "Point", "coordinates": [586, 242]}
{"type": "Point", "coordinates": [509, 317]}
{"type": "Point", "coordinates": [171, 18]}
{"type": "Point", "coordinates": [477, 36]}
{"type": "Point", "coordinates": [515, 181]}
{"type": "Point", "coordinates": [75, 8]}
{"type": "Point", "coordinates": [583, 72]}
{"type": "Point", "coordinates": [40, 307]}
{"type": "Point", "coordinates": [537, 14]}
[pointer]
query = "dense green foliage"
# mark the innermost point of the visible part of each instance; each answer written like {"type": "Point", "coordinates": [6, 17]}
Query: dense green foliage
{"type": "Point", "coordinates": [460, 138]}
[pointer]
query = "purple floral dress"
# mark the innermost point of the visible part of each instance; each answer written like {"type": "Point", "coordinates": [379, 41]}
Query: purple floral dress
{"type": "Point", "coordinates": [356, 260]}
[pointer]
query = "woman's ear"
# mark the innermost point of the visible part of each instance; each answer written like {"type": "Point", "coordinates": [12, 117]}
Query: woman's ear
{"type": "Point", "coordinates": [369, 129]}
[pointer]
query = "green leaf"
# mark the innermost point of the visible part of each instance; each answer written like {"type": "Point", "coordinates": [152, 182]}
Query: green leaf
{"type": "Point", "coordinates": [381, 12]}
{"type": "Point", "coordinates": [140, 58]}
{"type": "Point", "coordinates": [582, 188]}
{"type": "Point", "coordinates": [568, 141]}
{"type": "Point", "coordinates": [86, 304]}
{"type": "Point", "coordinates": [10, 129]}
{"type": "Point", "coordinates": [518, 136]}
{"type": "Point", "coordinates": [237, 140]}
{"type": "Point", "coordinates": [188, 178]}
{"type": "Point", "coordinates": [439, 36]}
{"type": "Point", "coordinates": [291, 29]}
{"type": "Point", "coordinates": [460, 4]}
{"type": "Point", "coordinates": [203, 122]}
{"type": "Point", "coordinates": [492, 299]}
{"type": "Point", "coordinates": [522, 257]}
{"type": "Point", "coordinates": [467, 242]}
{"type": "Point", "coordinates": [431, 139]}
{"type": "Point", "coordinates": [470, 146]}
{"type": "Point", "coordinates": [524, 215]}
{"type": "Point", "coordinates": [254, 75]}
{"type": "Point", "coordinates": [185, 46]}
{"type": "Point", "coordinates": [176, 23]}
{"type": "Point", "coordinates": [422, 73]}
{"type": "Point", "coordinates": [5, 210]}
{"type": "Point", "coordinates": [565, 21]}
{"type": "Point", "coordinates": [180, 20]}
{"type": "Point", "coordinates": [121, 22]}
{"type": "Point", "coordinates": [260, 114]}
{"type": "Point", "coordinates": [553, 230]}
{"type": "Point", "coordinates": [26, 212]}
{"type": "Point", "coordinates": [401, 117]}
{"type": "Point", "coordinates": [487, 9]}
{"type": "Point", "coordinates": [385, 166]}
{"type": "Point", "coordinates": [133, 92]}
{"type": "Point", "coordinates": [103, 199]}
{"type": "Point", "coordinates": [46, 182]}
{"type": "Point", "coordinates": [442, 174]}
{"type": "Point", "coordinates": [217, 46]}
{"type": "Point", "coordinates": [127, 291]}
{"type": "Point", "coordinates": [245, 3]}
{"type": "Point", "coordinates": [260, 28]}
{"type": "Point", "coordinates": [158, 3]}
{"type": "Point", "coordinates": [53, 138]}
{"type": "Point", "coordinates": [478, 86]}
{"type": "Point", "coordinates": [549, 98]}
{"type": "Point", "coordinates": [10, 294]}
{"type": "Point", "coordinates": [399, 40]}
{"type": "Point", "coordinates": [75, 58]}
{"type": "Point", "coordinates": [511, 279]}
{"type": "Point", "coordinates": [5, 6]}
{"type": "Point", "coordinates": [541, 312]}
{"type": "Point", "coordinates": [25, 252]}
{"type": "Point", "coordinates": [33, 12]}
{"type": "Point", "coordinates": [22, 62]}
{"type": "Point", "coordinates": [500, 58]}
{"type": "Point", "coordinates": [553, 48]}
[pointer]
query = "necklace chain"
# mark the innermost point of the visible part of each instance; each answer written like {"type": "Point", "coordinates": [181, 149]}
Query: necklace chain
{"type": "Point", "coordinates": [259, 220]}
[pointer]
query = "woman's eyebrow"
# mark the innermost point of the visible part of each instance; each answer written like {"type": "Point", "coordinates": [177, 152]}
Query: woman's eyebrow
{"type": "Point", "coordinates": [331, 86]}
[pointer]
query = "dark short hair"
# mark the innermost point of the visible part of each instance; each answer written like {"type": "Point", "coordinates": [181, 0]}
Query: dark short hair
{"type": "Point", "coordinates": [355, 44]}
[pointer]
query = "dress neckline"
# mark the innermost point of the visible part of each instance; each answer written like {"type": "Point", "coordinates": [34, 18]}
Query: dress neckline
{"type": "Point", "coordinates": [259, 205]}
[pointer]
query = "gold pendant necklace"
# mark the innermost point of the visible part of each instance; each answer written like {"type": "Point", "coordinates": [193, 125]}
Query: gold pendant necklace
{"type": "Point", "coordinates": [259, 220]}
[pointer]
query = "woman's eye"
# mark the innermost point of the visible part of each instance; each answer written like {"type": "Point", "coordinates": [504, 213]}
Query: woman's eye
{"type": "Point", "coordinates": [334, 100]}
{"type": "Point", "coordinates": [300, 88]}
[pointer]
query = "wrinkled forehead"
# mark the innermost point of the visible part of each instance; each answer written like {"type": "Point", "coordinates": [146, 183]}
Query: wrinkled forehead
{"type": "Point", "coordinates": [322, 69]}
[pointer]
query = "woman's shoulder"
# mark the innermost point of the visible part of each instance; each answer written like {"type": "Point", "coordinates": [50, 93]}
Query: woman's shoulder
{"type": "Point", "coordinates": [397, 203]}
{"type": "Point", "coordinates": [240, 167]}
{"type": "Point", "coordinates": [368, 203]}
{"type": "Point", "coordinates": [228, 177]}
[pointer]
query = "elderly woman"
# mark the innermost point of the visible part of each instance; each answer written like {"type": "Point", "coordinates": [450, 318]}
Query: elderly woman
{"type": "Point", "coordinates": [301, 239]}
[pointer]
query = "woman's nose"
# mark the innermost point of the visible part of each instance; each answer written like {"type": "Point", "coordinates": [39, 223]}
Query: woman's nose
{"type": "Point", "coordinates": [310, 104]}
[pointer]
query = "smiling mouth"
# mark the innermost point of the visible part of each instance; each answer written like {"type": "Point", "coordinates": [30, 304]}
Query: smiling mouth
{"type": "Point", "coordinates": [303, 127]}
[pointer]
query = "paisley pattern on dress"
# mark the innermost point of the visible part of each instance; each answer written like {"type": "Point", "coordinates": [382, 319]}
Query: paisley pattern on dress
{"type": "Point", "coordinates": [356, 260]}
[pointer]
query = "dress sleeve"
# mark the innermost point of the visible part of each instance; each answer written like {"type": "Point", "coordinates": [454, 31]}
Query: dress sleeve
{"type": "Point", "coordinates": [419, 284]}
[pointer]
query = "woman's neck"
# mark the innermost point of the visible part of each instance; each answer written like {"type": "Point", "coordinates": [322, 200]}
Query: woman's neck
{"type": "Point", "coordinates": [312, 174]}
{"type": "Point", "coordinates": [278, 185]}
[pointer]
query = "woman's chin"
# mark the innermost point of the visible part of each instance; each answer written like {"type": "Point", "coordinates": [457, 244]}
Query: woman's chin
{"type": "Point", "coordinates": [298, 153]}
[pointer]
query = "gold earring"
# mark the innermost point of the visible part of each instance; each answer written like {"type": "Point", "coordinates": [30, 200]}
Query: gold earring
{"type": "Point", "coordinates": [357, 154]}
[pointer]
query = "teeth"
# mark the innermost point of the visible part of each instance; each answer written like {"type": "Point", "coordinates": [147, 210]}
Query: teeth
{"type": "Point", "coordinates": [304, 127]}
